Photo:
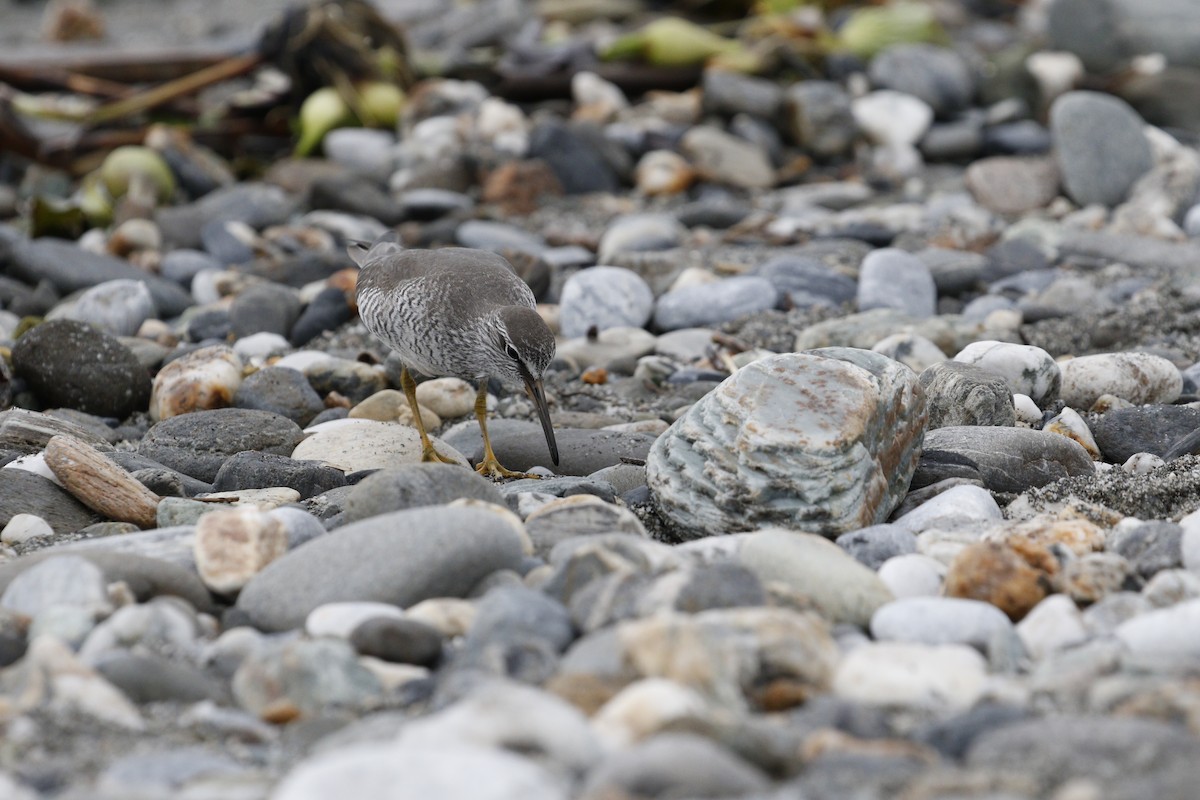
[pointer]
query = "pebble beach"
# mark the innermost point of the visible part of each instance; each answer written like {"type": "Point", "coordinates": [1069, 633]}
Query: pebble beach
{"type": "Point", "coordinates": [877, 393]}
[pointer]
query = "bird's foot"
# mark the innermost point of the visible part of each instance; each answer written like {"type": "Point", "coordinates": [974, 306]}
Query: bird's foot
{"type": "Point", "coordinates": [491, 468]}
{"type": "Point", "coordinates": [429, 453]}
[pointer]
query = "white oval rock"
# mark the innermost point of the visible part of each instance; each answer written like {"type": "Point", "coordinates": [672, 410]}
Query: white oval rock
{"type": "Point", "coordinates": [912, 675]}
{"type": "Point", "coordinates": [1136, 377]}
{"type": "Point", "coordinates": [939, 620]}
{"type": "Point", "coordinates": [353, 445]}
{"type": "Point", "coordinates": [955, 507]}
{"type": "Point", "coordinates": [340, 619]}
{"type": "Point", "coordinates": [23, 527]}
{"type": "Point", "coordinates": [890, 117]}
{"type": "Point", "coordinates": [912, 575]}
{"type": "Point", "coordinates": [1028, 370]}
{"type": "Point", "coordinates": [447, 397]}
{"type": "Point", "coordinates": [118, 307]}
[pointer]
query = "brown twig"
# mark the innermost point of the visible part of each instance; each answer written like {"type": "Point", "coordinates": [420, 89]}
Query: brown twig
{"type": "Point", "coordinates": [165, 93]}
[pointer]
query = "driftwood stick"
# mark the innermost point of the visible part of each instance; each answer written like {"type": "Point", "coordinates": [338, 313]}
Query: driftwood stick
{"type": "Point", "coordinates": [180, 87]}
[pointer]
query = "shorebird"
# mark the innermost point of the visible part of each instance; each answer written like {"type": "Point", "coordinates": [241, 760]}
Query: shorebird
{"type": "Point", "coordinates": [456, 312]}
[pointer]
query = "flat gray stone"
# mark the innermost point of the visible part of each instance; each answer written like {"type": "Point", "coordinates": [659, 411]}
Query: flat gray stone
{"type": "Point", "coordinates": [199, 443]}
{"type": "Point", "coordinates": [520, 445]}
{"type": "Point", "coordinates": [1002, 459]}
{"type": "Point", "coordinates": [1100, 146]}
{"type": "Point", "coordinates": [399, 558]}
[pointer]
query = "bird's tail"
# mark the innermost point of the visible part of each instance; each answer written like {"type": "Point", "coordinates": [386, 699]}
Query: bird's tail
{"type": "Point", "coordinates": [362, 252]}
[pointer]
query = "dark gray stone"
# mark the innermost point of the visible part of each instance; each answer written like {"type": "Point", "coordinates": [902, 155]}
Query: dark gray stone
{"type": "Point", "coordinates": [282, 391]}
{"type": "Point", "coordinates": [579, 166]}
{"type": "Point", "coordinates": [1001, 459]}
{"type": "Point", "coordinates": [959, 393]}
{"type": "Point", "coordinates": [70, 364]}
{"type": "Point", "coordinates": [23, 492]}
{"type": "Point", "coordinates": [937, 75]}
{"type": "Point", "coordinates": [1105, 33]}
{"type": "Point", "coordinates": [256, 204]}
{"type": "Point", "coordinates": [266, 308]}
{"type": "Point", "coordinates": [1142, 429]}
{"type": "Point", "coordinates": [135, 462]}
{"type": "Point", "coordinates": [820, 118]}
{"type": "Point", "coordinates": [954, 271]}
{"type": "Point", "coordinates": [68, 268]}
{"type": "Point", "coordinates": [253, 470]}
{"type": "Point", "coordinates": [724, 584]}
{"type": "Point", "coordinates": [197, 444]}
{"type": "Point", "coordinates": [327, 312]}
{"type": "Point", "coordinates": [398, 640]}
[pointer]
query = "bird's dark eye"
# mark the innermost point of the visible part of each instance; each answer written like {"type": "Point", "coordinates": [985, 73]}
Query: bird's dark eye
{"type": "Point", "coordinates": [512, 352]}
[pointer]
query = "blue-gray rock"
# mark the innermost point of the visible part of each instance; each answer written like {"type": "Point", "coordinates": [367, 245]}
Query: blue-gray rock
{"type": "Point", "coordinates": [891, 278]}
{"type": "Point", "coordinates": [768, 448]}
{"type": "Point", "coordinates": [255, 204]}
{"type": "Point", "coordinates": [209, 325]}
{"type": "Point", "coordinates": [520, 445]}
{"type": "Point", "coordinates": [1100, 146]}
{"type": "Point", "coordinates": [807, 281]}
{"type": "Point", "coordinates": [67, 580]}
{"type": "Point", "coordinates": [1022, 138]}
{"type": "Point", "coordinates": [314, 677]}
{"type": "Point", "coordinates": [819, 117]}
{"type": "Point", "coordinates": [498, 237]}
{"type": "Point", "coordinates": [953, 271]}
{"type": "Point", "coordinates": [267, 307]}
{"type": "Point", "coordinates": [875, 544]}
{"type": "Point", "coordinates": [23, 492]}
{"type": "Point", "coordinates": [957, 140]}
{"type": "Point", "coordinates": [577, 163]}
{"type": "Point", "coordinates": [366, 150]}
{"type": "Point", "coordinates": [1012, 257]}
{"type": "Point", "coordinates": [198, 443]}
{"type": "Point", "coordinates": [710, 304]}
{"type": "Point", "coordinates": [280, 390]}
{"type": "Point", "coordinates": [400, 558]}
{"type": "Point", "coordinates": [69, 268]}
{"type": "Point", "coordinates": [70, 364]}
{"type": "Point", "coordinates": [255, 470]}
{"type": "Point", "coordinates": [519, 631]}
{"type": "Point", "coordinates": [639, 233]}
{"type": "Point", "coordinates": [1001, 459]}
{"type": "Point", "coordinates": [414, 485]}
{"type": "Point", "coordinates": [1150, 547]}
{"type": "Point", "coordinates": [162, 772]}
{"type": "Point", "coordinates": [602, 298]}
{"type": "Point", "coordinates": [958, 393]}
{"type": "Point", "coordinates": [937, 75]}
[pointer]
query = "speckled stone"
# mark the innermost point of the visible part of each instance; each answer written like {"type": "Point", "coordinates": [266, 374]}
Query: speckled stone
{"type": "Point", "coordinates": [768, 449]}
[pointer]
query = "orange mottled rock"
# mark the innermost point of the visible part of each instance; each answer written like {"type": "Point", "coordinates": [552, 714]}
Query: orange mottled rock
{"type": "Point", "coordinates": [998, 575]}
{"type": "Point", "coordinates": [518, 186]}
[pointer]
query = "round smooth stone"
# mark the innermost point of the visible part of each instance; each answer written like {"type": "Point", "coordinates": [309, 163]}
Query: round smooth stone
{"type": "Point", "coordinates": [604, 297]}
{"type": "Point", "coordinates": [354, 445]}
{"type": "Point", "coordinates": [1027, 369]}
{"type": "Point", "coordinates": [940, 620]}
{"type": "Point", "coordinates": [912, 575]}
{"type": "Point", "coordinates": [911, 675]}
{"type": "Point", "coordinates": [709, 304]}
{"type": "Point", "coordinates": [1100, 146]}
{"type": "Point", "coordinates": [892, 278]}
{"type": "Point", "coordinates": [1139, 378]}
{"type": "Point", "coordinates": [892, 118]}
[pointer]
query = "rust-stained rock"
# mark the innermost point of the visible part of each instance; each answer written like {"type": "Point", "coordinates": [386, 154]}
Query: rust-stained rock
{"type": "Point", "coordinates": [200, 381]}
{"type": "Point", "coordinates": [998, 575]}
{"type": "Point", "coordinates": [823, 441]}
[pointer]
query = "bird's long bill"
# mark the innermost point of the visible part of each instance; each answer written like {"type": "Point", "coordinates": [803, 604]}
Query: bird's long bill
{"type": "Point", "coordinates": [538, 395]}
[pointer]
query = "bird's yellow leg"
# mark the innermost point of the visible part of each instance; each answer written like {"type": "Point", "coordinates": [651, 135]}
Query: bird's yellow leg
{"type": "Point", "coordinates": [489, 467]}
{"type": "Point", "coordinates": [428, 453]}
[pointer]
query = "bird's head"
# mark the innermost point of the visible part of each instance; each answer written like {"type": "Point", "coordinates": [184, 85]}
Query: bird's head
{"type": "Point", "coordinates": [524, 347]}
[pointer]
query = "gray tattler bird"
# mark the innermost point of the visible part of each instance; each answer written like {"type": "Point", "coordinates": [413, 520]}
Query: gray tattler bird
{"type": "Point", "coordinates": [457, 312]}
